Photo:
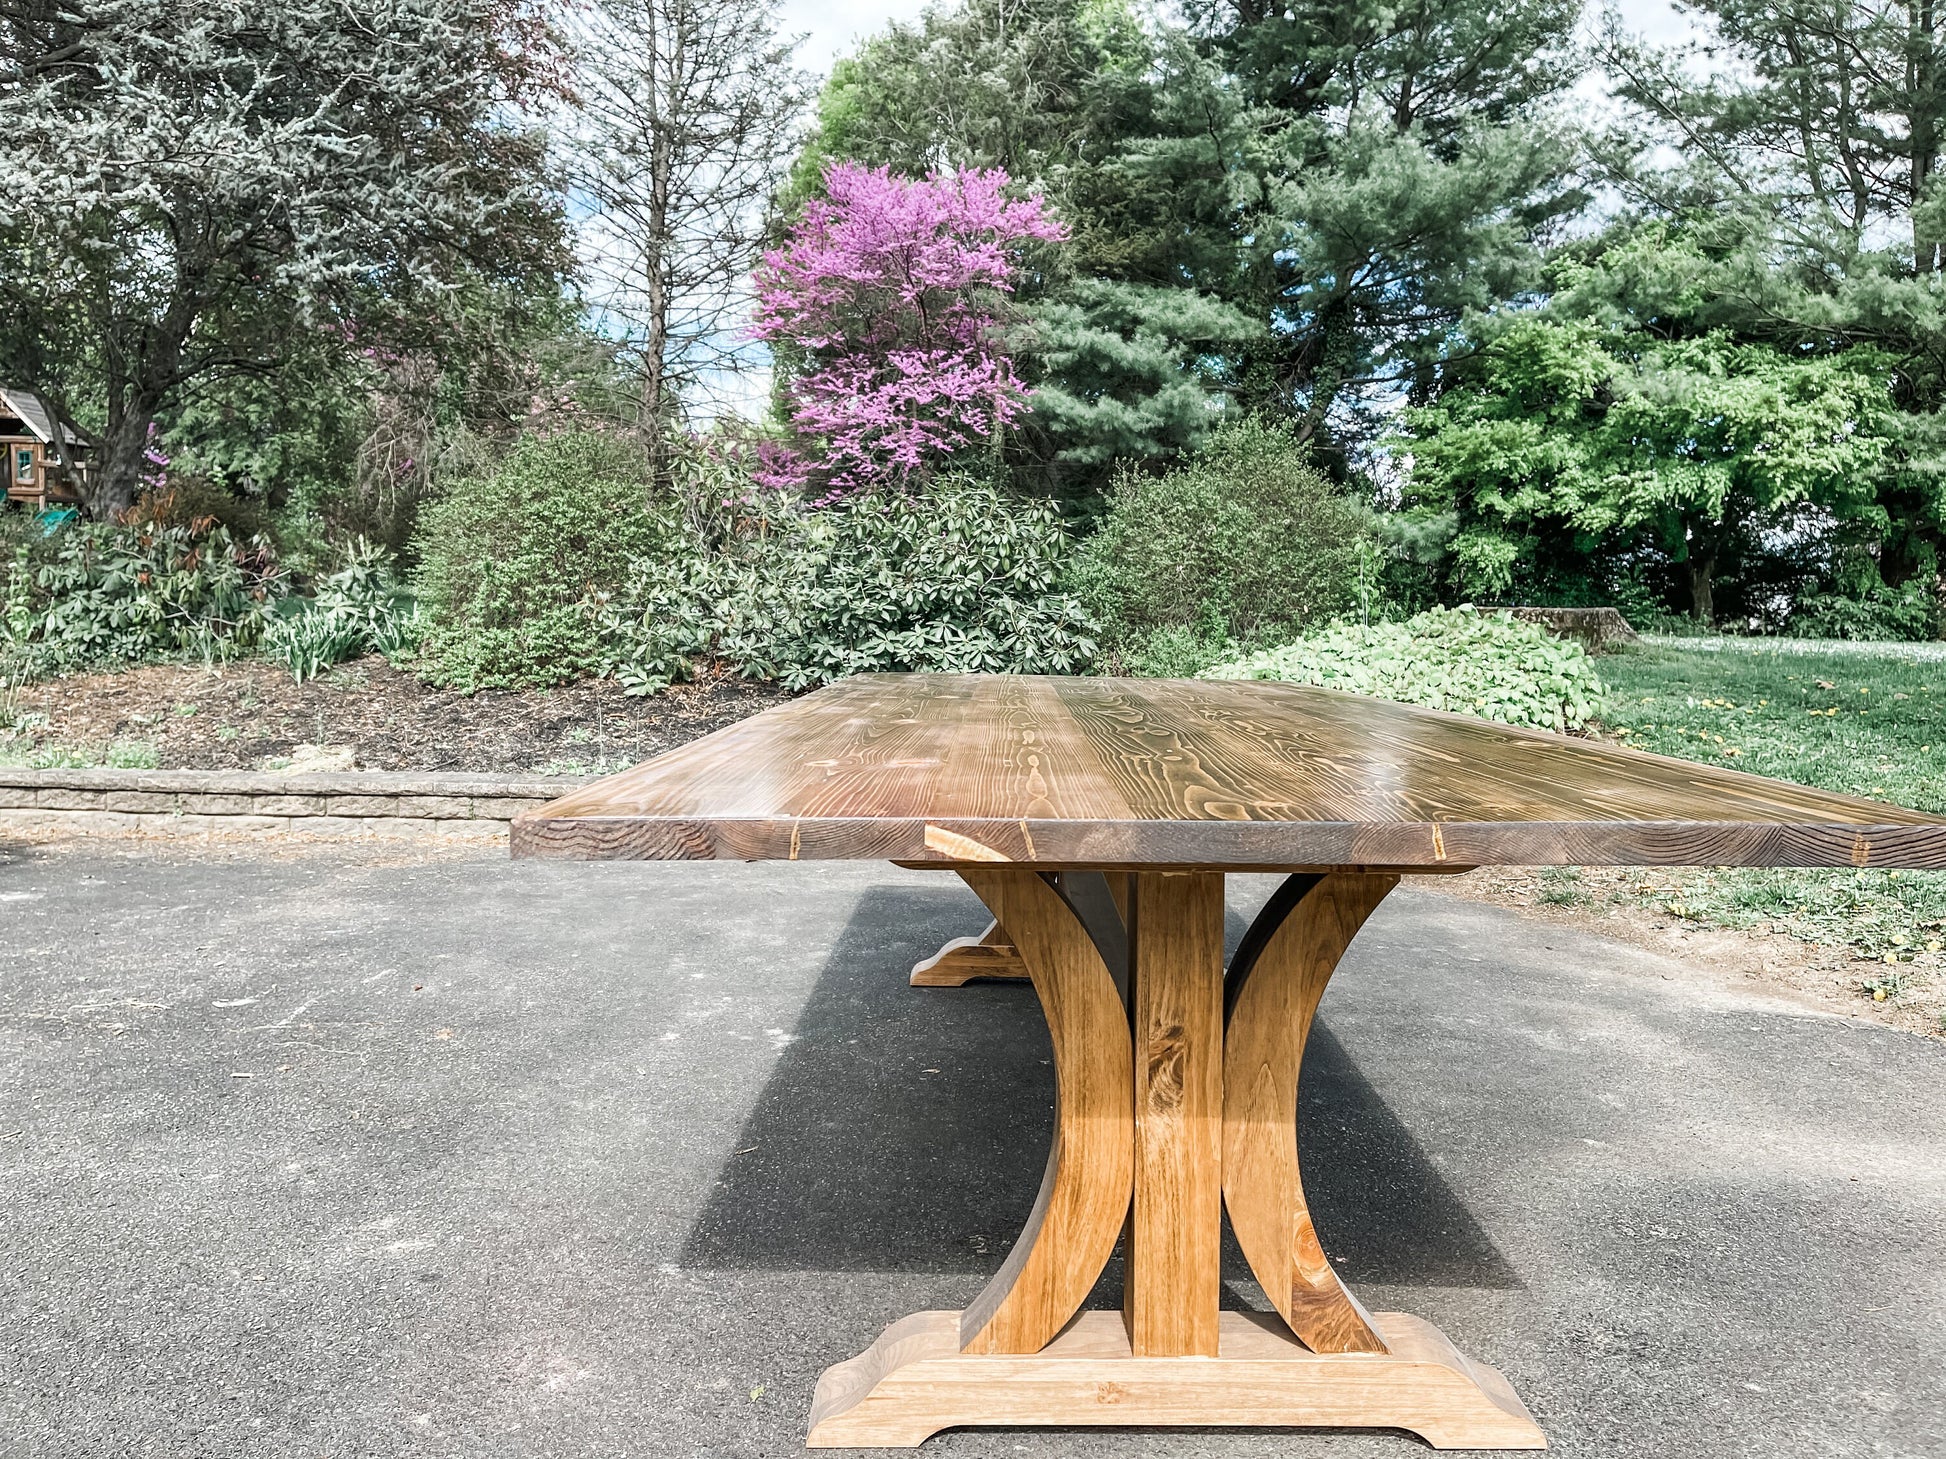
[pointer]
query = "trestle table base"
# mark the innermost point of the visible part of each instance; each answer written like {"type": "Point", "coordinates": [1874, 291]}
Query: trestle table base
{"type": "Point", "coordinates": [915, 1381]}
{"type": "Point", "coordinates": [1176, 1092]}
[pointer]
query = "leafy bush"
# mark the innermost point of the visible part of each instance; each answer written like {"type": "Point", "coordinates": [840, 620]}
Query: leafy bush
{"type": "Point", "coordinates": [1488, 665]}
{"type": "Point", "coordinates": [960, 580]}
{"type": "Point", "coordinates": [510, 558]}
{"type": "Point", "coordinates": [195, 502]}
{"type": "Point", "coordinates": [359, 609]}
{"type": "Point", "coordinates": [97, 593]}
{"type": "Point", "coordinates": [1246, 543]}
{"type": "Point", "coordinates": [1876, 615]}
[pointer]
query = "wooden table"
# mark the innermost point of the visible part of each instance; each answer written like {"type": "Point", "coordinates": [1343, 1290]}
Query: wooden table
{"type": "Point", "coordinates": [1096, 818]}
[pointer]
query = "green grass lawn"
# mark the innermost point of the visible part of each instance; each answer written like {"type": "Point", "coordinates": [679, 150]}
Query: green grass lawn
{"type": "Point", "coordinates": [1866, 723]}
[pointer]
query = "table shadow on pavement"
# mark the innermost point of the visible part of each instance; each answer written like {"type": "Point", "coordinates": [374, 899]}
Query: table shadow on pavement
{"type": "Point", "coordinates": [906, 1129]}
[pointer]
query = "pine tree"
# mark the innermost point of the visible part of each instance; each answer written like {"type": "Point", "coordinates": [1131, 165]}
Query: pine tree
{"type": "Point", "coordinates": [1358, 175]}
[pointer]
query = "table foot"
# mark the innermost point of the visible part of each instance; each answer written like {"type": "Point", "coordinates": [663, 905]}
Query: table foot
{"type": "Point", "coordinates": [959, 962]}
{"type": "Point", "coordinates": [915, 1381]}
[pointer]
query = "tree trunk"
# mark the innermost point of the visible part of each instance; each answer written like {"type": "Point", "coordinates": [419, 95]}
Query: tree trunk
{"type": "Point", "coordinates": [1702, 573]}
{"type": "Point", "coordinates": [1920, 80]}
{"type": "Point", "coordinates": [142, 371]}
{"type": "Point", "coordinates": [117, 474]}
{"type": "Point", "coordinates": [655, 373]}
{"type": "Point", "coordinates": [655, 348]}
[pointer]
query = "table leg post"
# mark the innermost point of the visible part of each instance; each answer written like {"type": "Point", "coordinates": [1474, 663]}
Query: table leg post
{"type": "Point", "coordinates": [1174, 1283]}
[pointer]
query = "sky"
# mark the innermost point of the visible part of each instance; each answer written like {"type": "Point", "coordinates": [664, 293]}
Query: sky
{"type": "Point", "coordinates": [834, 27]}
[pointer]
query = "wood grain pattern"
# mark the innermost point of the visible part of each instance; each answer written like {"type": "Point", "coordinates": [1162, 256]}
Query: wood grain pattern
{"type": "Point", "coordinates": [959, 962]}
{"type": "Point", "coordinates": [948, 770]}
{"type": "Point", "coordinates": [1277, 978]}
{"type": "Point", "coordinates": [1174, 1280]}
{"type": "Point", "coordinates": [914, 1381]}
{"type": "Point", "coordinates": [1084, 1195]}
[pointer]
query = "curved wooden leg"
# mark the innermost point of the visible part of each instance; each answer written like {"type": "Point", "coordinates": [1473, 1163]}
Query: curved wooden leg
{"type": "Point", "coordinates": [1085, 1194]}
{"type": "Point", "coordinates": [1278, 977]}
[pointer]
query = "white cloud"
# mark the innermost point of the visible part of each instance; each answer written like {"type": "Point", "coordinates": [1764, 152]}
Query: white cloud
{"type": "Point", "coordinates": [834, 27]}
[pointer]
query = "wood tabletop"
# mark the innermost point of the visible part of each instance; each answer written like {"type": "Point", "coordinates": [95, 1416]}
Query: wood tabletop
{"type": "Point", "coordinates": [951, 769]}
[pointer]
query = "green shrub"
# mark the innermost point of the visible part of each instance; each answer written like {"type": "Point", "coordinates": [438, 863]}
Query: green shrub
{"type": "Point", "coordinates": [99, 593]}
{"type": "Point", "coordinates": [191, 501]}
{"type": "Point", "coordinates": [962, 579]}
{"type": "Point", "coordinates": [1876, 615]}
{"type": "Point", "coordinates": [509, 559]}
{"type": "Point", "coordinates": [359, 609]}
{"type": "Point", "coordinates": [1489, 665]}
{"type": "Point", "coordinates": [1246, 543]}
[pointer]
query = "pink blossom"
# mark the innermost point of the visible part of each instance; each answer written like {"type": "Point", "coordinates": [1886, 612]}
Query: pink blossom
{"type": "Point", "coordinates": [157, 474]}
{"type": "Point", "coordinates": [890, 289]}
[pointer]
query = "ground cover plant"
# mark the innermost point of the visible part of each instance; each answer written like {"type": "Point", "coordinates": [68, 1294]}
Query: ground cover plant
{"type": "Point", "coordinates": [18, 752]}
{"type": "Point", "coordinates": [1456, 659]}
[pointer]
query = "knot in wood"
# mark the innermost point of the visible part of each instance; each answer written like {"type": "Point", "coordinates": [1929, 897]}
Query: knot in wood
{"type": "Point", "coordinates": [1168, 1046]}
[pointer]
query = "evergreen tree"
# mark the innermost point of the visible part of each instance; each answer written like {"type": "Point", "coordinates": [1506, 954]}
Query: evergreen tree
{"type": "Point", "coordinates": [1357, 175]}
{"type": "Point", "coordinates": [1783, 174]}
{"type": "Point", "coordinates": [1290, 208]}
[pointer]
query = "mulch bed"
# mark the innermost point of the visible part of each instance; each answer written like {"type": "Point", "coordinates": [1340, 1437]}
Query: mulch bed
{"type": "Point", "coordinates": [238, 716]}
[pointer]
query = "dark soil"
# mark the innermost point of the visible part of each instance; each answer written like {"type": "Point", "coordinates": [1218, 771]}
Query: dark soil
{"type": "Point", "coordinates": [238, 716]}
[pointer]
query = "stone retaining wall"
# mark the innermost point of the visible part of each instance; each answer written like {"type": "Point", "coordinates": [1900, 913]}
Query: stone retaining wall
{"type": "Point", "coordinates": [227, 802]}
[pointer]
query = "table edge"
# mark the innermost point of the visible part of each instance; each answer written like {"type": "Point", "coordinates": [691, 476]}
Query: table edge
{"type": "Point", "coordinates": [1242, 845]}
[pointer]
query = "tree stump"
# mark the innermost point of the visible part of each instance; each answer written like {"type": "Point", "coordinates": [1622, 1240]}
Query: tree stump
{"type": "Point", "coordinates": [1595, 629]}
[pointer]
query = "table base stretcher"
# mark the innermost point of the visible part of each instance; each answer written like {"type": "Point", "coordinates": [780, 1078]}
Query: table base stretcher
{"type": "Point", "coordinates": [1176, 1101]}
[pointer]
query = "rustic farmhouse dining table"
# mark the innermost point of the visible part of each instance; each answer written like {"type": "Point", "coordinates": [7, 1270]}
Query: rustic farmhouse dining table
{"type": "Point", "coordinates": [1096, 819]}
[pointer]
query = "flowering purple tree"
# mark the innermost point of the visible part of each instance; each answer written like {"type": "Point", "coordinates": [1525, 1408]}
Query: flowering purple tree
{"type": "Point", "coordinates": [889, 291]}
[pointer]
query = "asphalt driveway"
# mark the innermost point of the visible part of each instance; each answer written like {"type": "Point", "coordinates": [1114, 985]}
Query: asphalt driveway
{"type": "Point", "coordinates": [349, 1154]}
